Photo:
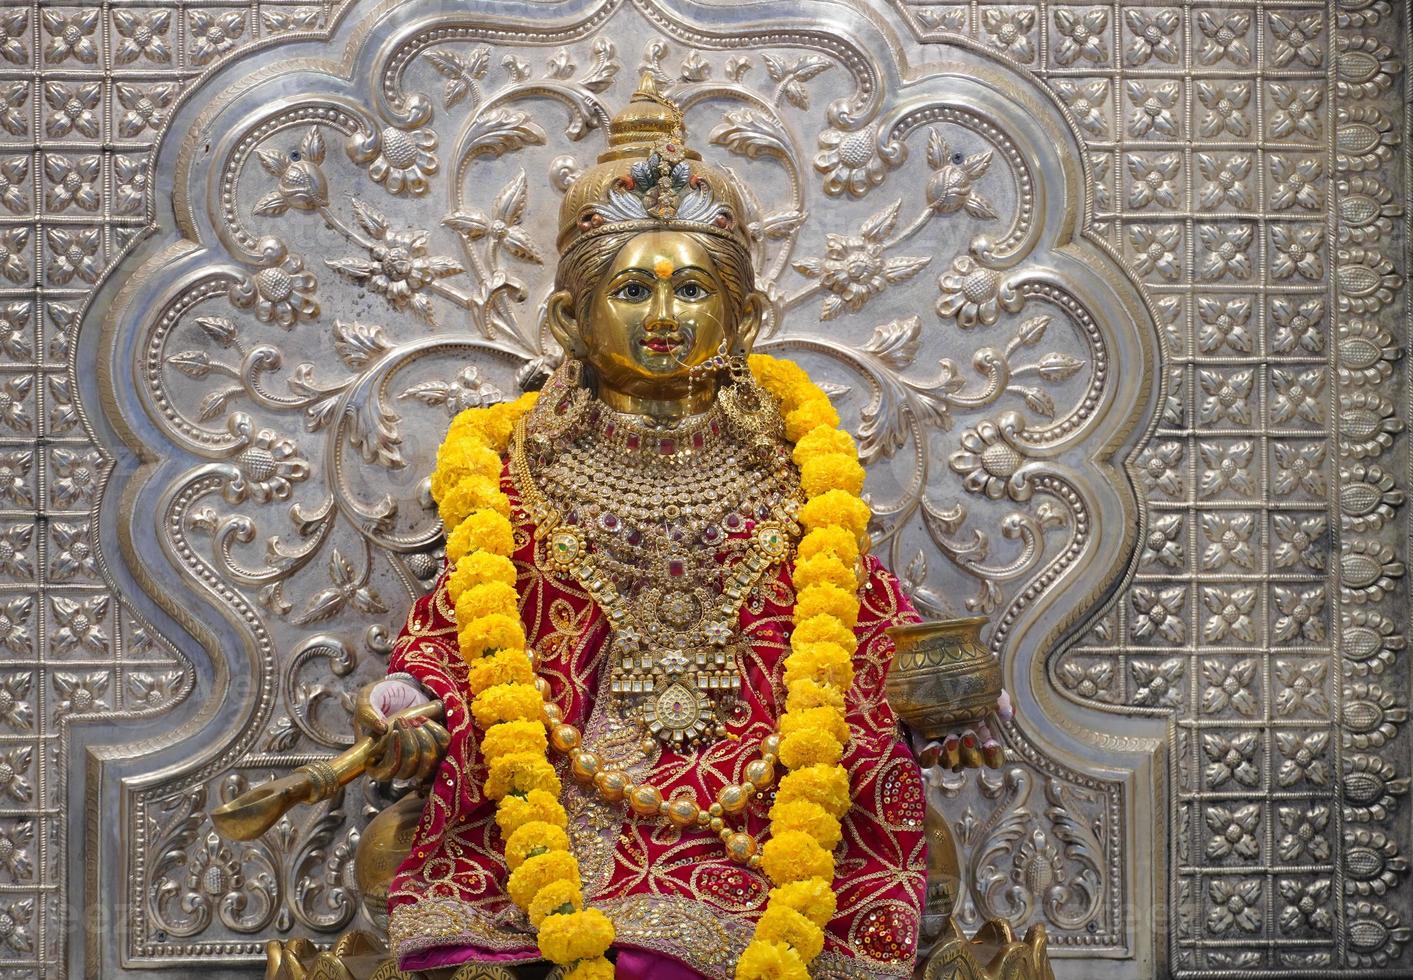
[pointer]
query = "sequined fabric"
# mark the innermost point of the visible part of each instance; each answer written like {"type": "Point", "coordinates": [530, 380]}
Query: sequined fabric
{"type": "Point", "coordinates": [672, 893]}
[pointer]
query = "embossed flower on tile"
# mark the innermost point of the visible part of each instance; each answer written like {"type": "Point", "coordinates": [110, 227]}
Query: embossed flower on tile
{"type": "Point", "coordinates": [1296, 180]}
{"type": "Point", "coordinates": [268, 466]}
{"type": "Point", "coordinates": [16, 713]}
{"type": "Point", "coordinates": [1303, 758]}
{"type": "Point", "coordinates": [282, 291]}
{"type": "Point", "coordinates": [70, 35]}
{"type": "Point", "coordinates": [1307, 905]}
{"type": "Point", "coordinates": [15, 468]}
{"type": "Point", "coordinates": [154, 690]}
{"type": "Point", "coordinates": [1155, 249]}
{"type": "Point", "coordinates": [1296, 249]}
{"type": "Point", "coordinates": [15, 634]}
{"type": "Point", "coordinates": [1371, 714]}
{"type": "Point", "coordinates": [1231, 758]}
{"type": "Point", "coordinates": [15, 858]}
{"type": "Point", "coordinates": [1009, 28]}
{"type": "Point", "coordinates": [1164, 543]}
{"type": "Point", "coordinates": [1298, 38]}
{"type": "Point", "coordinates": [1229, 685]}
{"type": "Point", "coordinates": [1226, 466]}
{"type": "Point", "coordinates": [81, 694]}
{"type": "Point", "coordinates": [72, 181]}
{"type": "Point", "coordinates": [1228, 614]}
{"type": "Point", "coordinates": [80, 625]}
{"type": "Point", "coordinates": [1223, 37]}
{"type": "Point", "coordinates": [1153, 108]}
{"type": "Point", "coordinates": [1297, 395]}
{"type": "Point", "coordinates": [1160, 468]}
{"type": "Point", "coordinates": [1298, 109]}
{"type": "Point", "coordinates": [1301, 541]}
{"type": "Point", "coordinates": [142, 35]}
{"type": "Point", "coordinates": [1159, 613]}
{"type": "Point", "coordinates": [1088, 101]}
{"type": "Point", "coordinates": [1151, 36]}
{"type": "Point", "coordinates": [15, 339]}
{"type": "Point", "coordinates": [1228, 541]}
{"type": "Point", "coordinates": [1369, 496]}
{"type": "Point", "coordinates": [1233, 832]}
{"type": "Point", "coordinates": [1224, 324]}
{"type": "Point", "coordinates": [1303, 834]}
{"type": "Point", "coordinates": [400, 268]}
{"type": "Point", "coordinates": [74, 475]}
{"type": "Point", "coordinates": [991, 459]}
{"type": "Point", "coordinates": [1235, 902]}
{"type": "Point", "coordinates": [1226, 109]}
{"type": "Point", "coordinates": [73, 109]}
{"type": "Point", "coordinates": [1226, 252]}
{"type": "Point", "coordinates": [1299, 466]}
{"type": "Point", "coordinates": [1092, 681]}
{"type": "Point", "coordinates": [1082, 35]}
{"type": "Point", "coordinates": [975, 294]}
{"type": "Point", "coordinates": [1158, 684]}
{"type": "Point", "coordinates": [1224, 182]}
{"type": "Point", "coordinates": [14, 403]}
{"type": "Point", "coordinates": [1300, 614]}
{"type": "Point", "coordinates": [1226, 396]}
{"type": "Point", "coordinates": [13, 117]}
{"type": "Point", "coordinates": [854, 270]}
{"type": "Point", "coordinates": [1301, 688]}
{"type": "Point", "coordinates": [212, 33]}
{"type": "Point", "coordinates": [1153, 180]}
{"type": "Point", "coordinates": [129, 184]}
{"type": "Point", "coordinates": [853, 162]}
{"type": "Point", "coordinates": [72, 555]}
{"type": "Point", "coordinates": [1299, 324]}
{"type": "Point", "coordinates": [144, 107]}
{"type": "Point", "coordinates": [73, 254]}
{"type": "Point", "coordinates": [399, 159]}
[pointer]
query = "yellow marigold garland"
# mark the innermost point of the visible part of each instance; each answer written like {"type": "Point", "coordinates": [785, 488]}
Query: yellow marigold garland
{"type": "Point", "coordinates": [508, 705]}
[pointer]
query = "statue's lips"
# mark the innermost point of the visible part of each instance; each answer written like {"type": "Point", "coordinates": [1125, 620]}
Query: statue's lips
{"type": "Point", "coordinates": [661, 345]}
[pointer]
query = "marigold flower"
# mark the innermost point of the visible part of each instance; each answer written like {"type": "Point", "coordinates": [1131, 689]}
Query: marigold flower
{"type": "Point", "coordinates": [795, 856]}
{"type": "Point", "coordinates": [471, 493]}
{"type": "Point", "coordinates": [810, 415]}
{"type": "Point", "coordinates": [463, 458]}
{"type": "Point", "coordinates": [538, 836]}
{"type": "Point", "coordinates": [486, 634]}
{"type": "Point", "coordinates": [520, 772]}
{"type": "Point", "coordinates": [526, 881]}
{"type": "Point", "coordinates": [830, 540]}
{"type": "Point", "coordinates": [596, 969]}
{"type": "Point", "coordinates": [501, 667]}
{"type": "Point", "coordinates": [479, 568]}
{"type": "Point", "coordinates": [832, 471]}
{"type": "Point", "coordinates": [554, 898]}
{"type": "Point", "coordinates": [825, 786]}
{"type": "Point", "coordinates": [805, 693]}
{"type": "Point", "coordinates": [824, 441]}
{"type": "Point", "coordinates": [576, 936]}
{"type": "Point", "coordinates": [782, 924]}
{"type": "Point", "coordinates": [514, 812]}
{"type": "Point", "coordinates": [836, 509]}
{"type": "Point", "coordinates": [812, 898]}
{"type": "Point", "coordinates": [763, 960]}
{"type": "Point", "coordinates": [823, 629]}
{"type": "Point", "coordinates": [506, 702]}
{"type": "Point", "coordinates": [821, 569]}
{"type": "Point", "coordinates": [490, 598]}
{"type": "Point", "coordinates": [810, 747]}
{"type": "Point", "coordinates": [822, 719]}
{"type": "Point", "coordinates": [824, 663]}
{"type": "Point", "coordinates": [827, 599]}
{"type": "Point", "coordinates": [482, 530]}
{"type": "Point", "coordinates": [810, 818]}
{"type": "Point", "coordinates": [513, 736]}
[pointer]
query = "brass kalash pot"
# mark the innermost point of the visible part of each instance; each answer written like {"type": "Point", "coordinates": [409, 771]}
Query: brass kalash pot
{"type": "Point", "coordinates": [944, 679]}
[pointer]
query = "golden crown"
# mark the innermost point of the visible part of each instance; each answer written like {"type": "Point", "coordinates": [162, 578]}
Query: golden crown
{"type": "Point", "coordinates": [649, 178]}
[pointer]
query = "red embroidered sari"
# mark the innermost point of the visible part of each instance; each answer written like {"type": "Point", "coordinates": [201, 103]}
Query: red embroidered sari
{"type": "Point", "coordinates": [680, 907]}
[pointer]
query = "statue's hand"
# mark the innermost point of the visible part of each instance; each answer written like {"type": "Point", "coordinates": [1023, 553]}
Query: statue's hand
{"type": "Point", "coordinates": [970, 748]}
{"type": "Point", "coordinates": [405, 748]}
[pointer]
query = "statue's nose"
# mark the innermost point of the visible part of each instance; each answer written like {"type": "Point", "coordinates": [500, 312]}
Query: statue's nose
{"type": "Point", "coordinates": [661, 317]}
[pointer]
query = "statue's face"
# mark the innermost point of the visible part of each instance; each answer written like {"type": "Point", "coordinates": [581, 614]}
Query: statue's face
{"type": "Point", "coordinates": [660, 309]}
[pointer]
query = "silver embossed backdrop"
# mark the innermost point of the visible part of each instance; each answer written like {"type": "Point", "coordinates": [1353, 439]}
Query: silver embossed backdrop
{"type": "Point", "coordinates": [1113, 295]}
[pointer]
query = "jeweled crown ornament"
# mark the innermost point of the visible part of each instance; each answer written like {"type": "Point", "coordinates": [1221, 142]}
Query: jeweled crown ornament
{"type": "Point", "coordinates": [649, 178]}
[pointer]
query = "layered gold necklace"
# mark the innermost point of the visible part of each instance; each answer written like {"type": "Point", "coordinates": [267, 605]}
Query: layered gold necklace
{"type": "Point", "coordinates": [668, 529]}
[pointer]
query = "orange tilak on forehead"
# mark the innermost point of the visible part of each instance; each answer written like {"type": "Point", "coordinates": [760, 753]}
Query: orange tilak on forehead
{"type": "Point", "coordinates": [663, 267]}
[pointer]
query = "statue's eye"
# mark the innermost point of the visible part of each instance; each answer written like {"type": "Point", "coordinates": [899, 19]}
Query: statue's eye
{"type": "Point", "coordinates": [633, 292]}
{"type": "Point", "coordinates": [692, 291]}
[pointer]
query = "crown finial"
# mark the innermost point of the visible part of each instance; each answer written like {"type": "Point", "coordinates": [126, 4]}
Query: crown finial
{"type": "Point", "coordinates": [649, 119]}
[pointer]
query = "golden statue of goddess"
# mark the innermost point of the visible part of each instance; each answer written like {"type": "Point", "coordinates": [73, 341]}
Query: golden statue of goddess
{"type": "Point", "coordinates": [660, 643]}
